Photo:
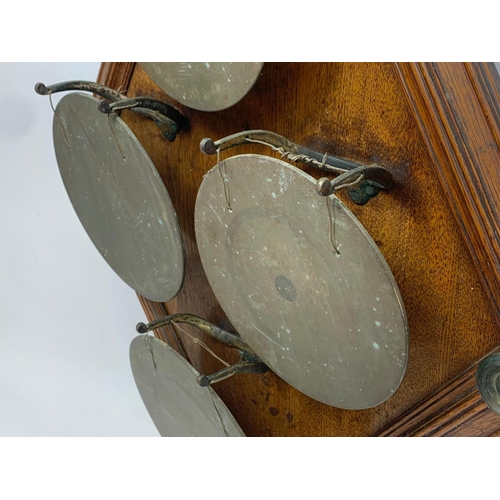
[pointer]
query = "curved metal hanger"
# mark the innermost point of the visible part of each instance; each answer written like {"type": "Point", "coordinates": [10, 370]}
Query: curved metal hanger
{"type": "Point", "coordinates": [370, 178]}
{"type": "Point", "coordinates": [250, 362]}
{"type": "Point", "coordinates": [166, 118]}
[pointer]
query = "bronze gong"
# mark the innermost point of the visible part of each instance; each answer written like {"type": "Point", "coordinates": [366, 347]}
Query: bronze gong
{"type": "Point", "coordinates": [204, 86]}
{"type": "Point", "coordinates": [178, 406]}
{"type": "Point", "coordinates": [302, 281]}
{"type": "Point", "coordinates": [119, 197]}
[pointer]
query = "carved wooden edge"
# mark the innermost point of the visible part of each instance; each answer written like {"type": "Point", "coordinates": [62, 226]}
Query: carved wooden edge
{"type": "Point", "coordinates": [116, 75]}
{"type": "Point", "coordinates": [457, 409]}
{"type": "Point", "coordinates": [456, 107]}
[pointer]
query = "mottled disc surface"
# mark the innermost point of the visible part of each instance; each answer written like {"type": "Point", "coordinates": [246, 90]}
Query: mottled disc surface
{"type": "Point", "coordinates": [204, 86]}
{"type": "Point", "coordinates": [331, 325]}
{"type": "Point", "coordinates": [178, 406]}
{"type": "Point", "coordinates": [488, 381]}
{"type": "Point", "coordinates": [119, 197]}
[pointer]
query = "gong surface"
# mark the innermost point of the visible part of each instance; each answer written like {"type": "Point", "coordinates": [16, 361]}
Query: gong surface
{"type": "Point", "coordinates": [119, 197]}
{"type": "Point", "coordinates": [178, 406]}
{"type": "Point", "coordinates": [204, 86]}
{"type": "Point", "coordinates": [331, 325]}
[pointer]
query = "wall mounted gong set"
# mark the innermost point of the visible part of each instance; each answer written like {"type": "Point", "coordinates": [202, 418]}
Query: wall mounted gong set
{"type": "Point", "coordinates": [305, 286]}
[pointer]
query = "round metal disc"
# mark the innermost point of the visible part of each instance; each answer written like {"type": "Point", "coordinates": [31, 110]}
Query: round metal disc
{"type": "Point", "coordinates": [331, 325]}
{"type": "Point", "coordinates": [178, 406]}
{"type": "Point", "coordinates": [488, 381]}
{"type": "Point", "coordinates": [119, 197]}
{"type": "Point", "coordinates": [204, 86]}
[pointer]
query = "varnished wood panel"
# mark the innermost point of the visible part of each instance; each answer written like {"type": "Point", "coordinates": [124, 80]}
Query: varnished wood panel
{"type": "Point", "coordinates": [358, 111]}
{"type": "Point", "coordinates": [457, 409]}
{"type": "Point", "coordinates": [457, 109]}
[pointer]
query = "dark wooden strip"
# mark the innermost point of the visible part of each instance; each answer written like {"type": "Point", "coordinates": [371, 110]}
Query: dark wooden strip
{"type": "Point", "coordinates": [456, 409]}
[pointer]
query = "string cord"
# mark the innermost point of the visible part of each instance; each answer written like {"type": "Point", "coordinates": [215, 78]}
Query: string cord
{"type": "Point", "coordinates": [114, 137]}
{"type": "Point", "coordinates": [202, 344]}
{"type": "Point", "coordinates": [332, 224]}
{"type": "Point", "coordinates": [294, 157]}
{"type": "Point", "coordinates": [225, 184]}
{"type": "Point", "coordinates": [148, 347]}
{"type": "Point", "coordinates": [349, 184]}
{"type": "Point", "coordinates": [59, 121]}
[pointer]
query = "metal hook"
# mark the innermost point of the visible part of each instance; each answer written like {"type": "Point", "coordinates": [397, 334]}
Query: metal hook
{"type": "Point", "coordinates": [168, 127]}
{"type": "Point", "coordinates": [251, 363]}
{"type": "Point", "coordinates": [375, 177]}
{"type": "Point", "coordinates": [146, 103]}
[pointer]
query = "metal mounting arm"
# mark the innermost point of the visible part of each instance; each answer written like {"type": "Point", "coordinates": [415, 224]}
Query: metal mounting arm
{"type": "Point", "coordinates": [166, 124]}
{"type": "Point", "coordinates": [250, 364]}
{"type": "Point", "coordinates": [374, 178]}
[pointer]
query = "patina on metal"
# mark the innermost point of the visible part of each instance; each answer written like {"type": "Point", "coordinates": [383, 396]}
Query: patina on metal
{"type": "Point", "coordinates": [374, 178]}
{"type": "Point", "coordinates": [119, 197]}
{"type": "Point", "coordinates": [250, 361]}
{"type": "Point", "coordinates": [169, 127]}
{"type": "Point", "coordinates": [488, 381]}
{"type": "Point", "coordinates": [145, 103]}
{"type": "Point", "coordinates": [329, 320]}
{"type": "Point", "coordinates": [204, 86]}
{"type": "Point", "coordinates": [177, 404]}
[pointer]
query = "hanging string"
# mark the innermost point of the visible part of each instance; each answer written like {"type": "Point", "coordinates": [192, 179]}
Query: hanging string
{"type": "Point", "coordinates": [148, 347]}
{"type": "Point", "coordinates": [223, 425]}
{"type": "Point", "coordinates": [349, 184]}
{"type": "Point", "coordinates": [114, 136]}
{"type": "Point", "coordinates": [223, 378]}
{"type": "Point", "coordinates": [59, 121]}
{"type": "Point", "coordinates": [323, 162]}
{"type": "Point", "coordinates": [224, 183]}
{"type": "Point", "coordinates": [332, 223]}
{"type": "Point", "coordinates": [197, 341]}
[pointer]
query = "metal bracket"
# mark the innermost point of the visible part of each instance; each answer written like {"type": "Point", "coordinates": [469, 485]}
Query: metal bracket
{"type": "Point", "coordinates": [166, 118]}
{"type": "Point", "coordinates": [374, 178]}
{"type": "Point", "coordinates": [146, 103]}
{"type": "Point", "coordinates": [251, 362]}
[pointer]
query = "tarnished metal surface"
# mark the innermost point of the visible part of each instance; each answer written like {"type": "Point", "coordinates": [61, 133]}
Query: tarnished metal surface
{"type": "Point", "coordinates": [374, 177]}
{"type": "Point", "coordinates": [119, 197]}
{"type": "Point", "coordinates": [204, 86]}
{"type": "Point", "coordinates": [178, 406]}
{"type": "Point", "coordinates": [168, 127]}
{"type": "Point", "coordinates": [205, 326]}
{"type": "Point", "coordinates": [331, 324]}
{"type": "Point", "coordinates": [488, 381]}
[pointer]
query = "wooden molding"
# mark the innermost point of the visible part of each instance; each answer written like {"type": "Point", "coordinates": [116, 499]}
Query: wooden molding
{"type": "Point", "coordinates": [457, 409]}
{"type": "Point", "coordinates": [457, 109]}
{"type": "Point", "coordinates": [116, 75]}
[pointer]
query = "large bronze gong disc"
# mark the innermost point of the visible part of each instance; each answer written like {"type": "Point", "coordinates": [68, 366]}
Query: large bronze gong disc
{"type": "Point", "coordinates": [204, 86]}
{"type": "Point", "coordinates": [178, 406]}
{"type": "Point", "coordinates": [119, 197]}
{"type": "Point", "coordinates": [331, 325]}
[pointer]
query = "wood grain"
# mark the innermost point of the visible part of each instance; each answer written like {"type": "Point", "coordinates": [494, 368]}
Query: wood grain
{"type": "Point", "coordinates": [457, 409]}
{"type": "Point", "coordinates": [116, 75]}
{"type": "Point", "coordinates": [358, 111]}
{"type": "Point", "coordinates": [457, 109]}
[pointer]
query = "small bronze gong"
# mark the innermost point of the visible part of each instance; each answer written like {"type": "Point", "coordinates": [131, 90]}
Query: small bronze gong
{"type": "Point", "coordinates": [119, 197]}
{"type": "Point", "coordinates": [178, 406]}
{"type": "Point", "coordinates": [302, 281]}
{"type": "Point", "coordinates": [204, 86]}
